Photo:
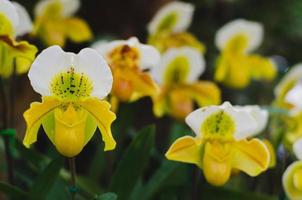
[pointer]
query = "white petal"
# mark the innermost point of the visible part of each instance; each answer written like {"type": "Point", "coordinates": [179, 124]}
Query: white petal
{"type": "Point", "coordinates": [253, 30]}
{"type": "Point", "coordinates": [260, 115]}
{"type": "Point", "coordinates": [48, 63]}
{"type": "Point", "coordinates": [9, 10]}
{"type": "Point", "coordinates": [196, 118]}
{"type": "Point", "coordinates": [184, 12]}
{"type": "Point", "coordinates": [70, 7]}
{"type": "Point", "coordinates": [294, 96]}
{"type": "Point", "coordinates": [297, 148]}
{"type": "Point", "coordinates": [150, 56]}
{"type": "Point", "coordinates": [91, 63]}
{"type": "Point", "coordinates": [196, 63]}
{"type": "Point", "coordinates": [245, 123]}
{"type": "Point", "coordinates": [26, 26]}
{"type": "Point", "coordinates": [293, 75]}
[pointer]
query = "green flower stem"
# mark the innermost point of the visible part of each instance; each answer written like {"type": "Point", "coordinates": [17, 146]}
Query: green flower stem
{"type": "Point", "coordinates": [72, 169]}
{"type": "Point", "coordinates": [5, 120]}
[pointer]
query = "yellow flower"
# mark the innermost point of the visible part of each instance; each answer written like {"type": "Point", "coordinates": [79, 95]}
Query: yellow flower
{"type": "Point", "coordinates": [54, 22]}
{"type": "Point", "coordinates": [221, 145]}
{"type": "Point", "coordinates": [14, 53]}
{"type": "Point", "coordinates": [177, 75]}
{"type": "Point", "coordinates": [287, 92]}
{"type": "Point", "coordinates": [72, 88]}
{"type": "Point", "coordinates": [292, 177]}
{"type": "Point", "coordinates": [129, 60]}
{"type": "Point", "coordinates": [236, 67]}
{"type": "Point", "coordinates": [168, 27]}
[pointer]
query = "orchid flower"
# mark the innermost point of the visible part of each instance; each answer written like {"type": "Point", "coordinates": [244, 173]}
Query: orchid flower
{"type": "Point", "coordinates": [292, 177]}
{"type": "Point", "coordinates": [222, 143]}
{"type": "Point", "coordinates": [13, 53]}
{"type": "Point", "coordinates": [73, 87]}
{"type": "Point", "coordinates": [55, 22]}
{"type": "Point", "coordinates": [177, 74]}
{"type": "Point", "coordinates": [236, 66]}
{"type": "Point", "coordinates": [129, 61]}
{"type": "Point", "coordinates": [168, 28]}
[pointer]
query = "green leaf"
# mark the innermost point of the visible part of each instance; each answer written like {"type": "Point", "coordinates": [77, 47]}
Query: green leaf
{"type": "Point", "coordinates": [12, 191]}
{"type": "Point", "coordinates": [107, 196]}
{"type": "Point", "coordinates": [46, 180]}
{"type": "Point", "coordinates": [133, 162]}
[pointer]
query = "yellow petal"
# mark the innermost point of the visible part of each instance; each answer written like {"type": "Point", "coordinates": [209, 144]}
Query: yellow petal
{"type": "Point", "coordinates": [204, 93]}
{"type": "Point", "coordinates": [262, 68]}
{"type": "Point", "coordinates": [272, 153]}
{"type": "Point", "coordinates": [186, 149]}
{"type": "Point", "coordinates": [100, 110]}
{"type": "Point", "coordinates": [180, 104]}
{"type": "Point", "coordinates": [77, 30]}
{"type": "Point", "coordinates": [251, 156]}
{"type": "Point", "coordinates": [292, 181]}
{"type": "Point", "coordinates": [232, 70]}
{"type": "Point", "coordinates": [34, 116]}
{"type": "Point", "coordinates": [52, 32]}
{"type": "Point", "coordinates": [160, 102]}
{"type": "Point", "coordinates": [6, 26]}
{"type": "Point", "coordinates": [217, 162]}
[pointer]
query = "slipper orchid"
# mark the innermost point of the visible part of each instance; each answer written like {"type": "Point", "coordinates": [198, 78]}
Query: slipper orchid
{"type": "Point", "coordinates": [129, 61]}
{"type": "Point", "coordinates": [72, 88]}
{"type": "Point", "coordinates": [177, 74]}
{"type": "Point", "coordinates": [221, 143]}
{"type": "Point", "coordinates": [55, 23]}
{"type": "Point", "coordinates": [236, 67]}
{"type": "Point", "coordinates": [168, 27]}
{"type": "Point", "coordinates": [292, 177]}
{"type": "Point", "coordinates": [13, 53]}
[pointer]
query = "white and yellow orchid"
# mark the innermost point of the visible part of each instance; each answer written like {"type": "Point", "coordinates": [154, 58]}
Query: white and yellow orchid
{"type": "Point", "coordinates": [129, 60]}
{"type": "Point", "coordinates": [73, 87]}
{"type": "Point", "coordinates": [287, 90]}
{"type": "Point", "coordinates": [55, 22]}
{"type": "Point", "coordinates": [168, 28]}
{"type": "Point", "coordinates": [221, 143]}
{"type": "Point", "coordinates": [236, 67]}
{"type": "Point", "coordinates": [13, 53]}
{"type": "Point", "coordinates": [177, 74]}
{"type": "Point", "coordinates": [292, 177]}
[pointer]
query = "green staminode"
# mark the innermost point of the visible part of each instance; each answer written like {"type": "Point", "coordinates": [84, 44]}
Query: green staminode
{"type": "Point", "coordinates": [178, 70]}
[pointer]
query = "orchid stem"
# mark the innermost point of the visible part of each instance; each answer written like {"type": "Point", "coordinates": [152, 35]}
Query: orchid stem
{"type": "Point", "coordinates": [72, 169]}
{"type": "Point", "coordinates": [8, 154]}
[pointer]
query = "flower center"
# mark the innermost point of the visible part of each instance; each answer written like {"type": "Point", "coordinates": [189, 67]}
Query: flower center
{"type": "Point", "coordinates": [124, 56]}
{"type": "Point", "coordinates": [218, 126]}
{"type": "Point", "coordinates": [71, 86]}
{"type": "Point", "coordinates": [6, 27]}
{"type": "Point", "coordinates": [237, 44]}
{"type": "Point", "coordinates": [177, 71]}
{"type": "Point", "coordinates": [168, 22]}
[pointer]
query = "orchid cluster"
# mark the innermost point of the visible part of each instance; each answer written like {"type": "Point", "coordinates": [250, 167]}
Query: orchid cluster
{"type": "Point", "coordinates": [81, 93]}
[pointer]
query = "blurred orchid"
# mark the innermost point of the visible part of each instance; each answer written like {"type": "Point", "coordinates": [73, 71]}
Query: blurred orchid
{"type": "Point", "coordinates": [177, 74]}
{"type": "Point", "coordinates": [13, 53]}
{"type": "Point", "coordinates": [72, 88]}
{"type": "Point", "coordinates": [129, 61]}
{"type": "Point", "coordinates": [236, 67]}
{"type": "Point", "coordinates": [292, 177]}
{"type": "Point", "coordinates": [168, 27]}
{"type": "Point", "coordinates": [54, 22]}
{"type": "Point", "coordinates": [221, 143]}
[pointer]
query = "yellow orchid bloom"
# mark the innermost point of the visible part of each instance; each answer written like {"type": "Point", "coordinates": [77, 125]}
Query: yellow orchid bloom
{"type": "Point", "coordinates": [292, 177]}
{"type": "Point", "coordinates": [177, 74]}
{"type": "Point", "coordinates": [221, 145]}
{"type": "Point", "coordinates": [73, 87]}
{"type": "Point", "coordinates": [54, 22]}
{"type": "Point", "coordinates": [19, 54]}
{"type": "Point", "coordinates": [236, 67]}
{"type": "Point", "coordinates": [168, 27]}
{"type": "Point", "coordinates": [129, 61]}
